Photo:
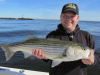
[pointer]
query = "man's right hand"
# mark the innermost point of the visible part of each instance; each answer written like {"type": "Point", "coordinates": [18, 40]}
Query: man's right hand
{"type": "Point", "coordinates": [39, 54]}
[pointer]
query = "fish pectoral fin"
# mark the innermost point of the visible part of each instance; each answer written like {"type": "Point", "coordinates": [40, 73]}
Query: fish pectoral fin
{"type": "Point", "coordinates": [55, 63]}
{"type": "Point", "coordinates": [58, 57]}
{"type": "Point", "coordinates": [26, 55]}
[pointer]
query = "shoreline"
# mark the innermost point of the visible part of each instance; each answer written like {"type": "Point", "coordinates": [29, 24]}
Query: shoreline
{"type": "Point", "coordinates": [18, 18]}
{"type": "Point", "coordinates": [39, 19]}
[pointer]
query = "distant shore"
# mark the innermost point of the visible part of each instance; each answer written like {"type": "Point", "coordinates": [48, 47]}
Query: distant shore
{"type": "Point", "coordinates": [18, 18]}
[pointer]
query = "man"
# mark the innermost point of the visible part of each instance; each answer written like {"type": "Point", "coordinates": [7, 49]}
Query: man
{"type": "Point", "coordinates": [69, 30]}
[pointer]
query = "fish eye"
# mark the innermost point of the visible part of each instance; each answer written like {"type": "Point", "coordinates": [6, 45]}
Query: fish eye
{"type": "Point", "coordinates": [83, 48]}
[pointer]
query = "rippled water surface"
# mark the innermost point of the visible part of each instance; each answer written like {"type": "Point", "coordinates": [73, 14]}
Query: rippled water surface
{"type": "Point", "coordinates": [15, 31]}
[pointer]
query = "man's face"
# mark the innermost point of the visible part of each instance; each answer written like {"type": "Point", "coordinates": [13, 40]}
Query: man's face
{"type": "Point", "coordinates": [69, 20]}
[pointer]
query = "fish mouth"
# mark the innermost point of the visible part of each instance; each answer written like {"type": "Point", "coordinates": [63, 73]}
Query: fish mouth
{"type": "Point", "coordinates": [91, 55]}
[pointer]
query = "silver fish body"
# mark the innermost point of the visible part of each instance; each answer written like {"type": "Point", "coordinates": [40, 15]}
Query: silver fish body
{"type": "Point", "coordinates": [54, 49]}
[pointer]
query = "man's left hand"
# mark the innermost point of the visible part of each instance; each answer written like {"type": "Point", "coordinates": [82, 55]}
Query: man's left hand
{"type": "Point", "coordinates": [88, 61]}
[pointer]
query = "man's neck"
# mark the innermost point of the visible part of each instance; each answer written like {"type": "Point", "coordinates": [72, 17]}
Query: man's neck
{"type": "Point", "coordinates": [69, 30]}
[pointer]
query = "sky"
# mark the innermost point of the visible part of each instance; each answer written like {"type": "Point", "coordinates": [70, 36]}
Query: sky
{"type": "Point", "coordinates": [89, 10]}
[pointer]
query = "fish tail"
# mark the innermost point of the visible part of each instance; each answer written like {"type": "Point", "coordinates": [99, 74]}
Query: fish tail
{"type": "Point", "coordinates": [8, 52]}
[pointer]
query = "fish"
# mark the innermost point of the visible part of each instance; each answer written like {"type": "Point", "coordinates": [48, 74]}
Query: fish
{"type": "Point", "coordinates": [54, 49]}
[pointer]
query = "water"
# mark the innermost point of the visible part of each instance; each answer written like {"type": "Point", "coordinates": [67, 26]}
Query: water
{"type": "Point", "coordinates": [15, 31]}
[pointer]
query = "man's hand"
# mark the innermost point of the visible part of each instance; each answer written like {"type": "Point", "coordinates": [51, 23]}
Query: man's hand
{"type": "Point", "coordinates": [88, 61]}
{"type": "Point", "coordinates": [39, 54]}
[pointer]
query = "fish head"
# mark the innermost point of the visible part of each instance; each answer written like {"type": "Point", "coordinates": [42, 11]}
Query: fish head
{"type": "Point", "coordinates": [78, 51]}
{"type": "Point", "coordinates": [88, 53]}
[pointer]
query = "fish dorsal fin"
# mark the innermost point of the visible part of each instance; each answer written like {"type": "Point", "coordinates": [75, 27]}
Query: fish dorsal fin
{"type": "Point", "coordinates": [31, 37]}
{"type": "Point", "coordinates": [53, 39]}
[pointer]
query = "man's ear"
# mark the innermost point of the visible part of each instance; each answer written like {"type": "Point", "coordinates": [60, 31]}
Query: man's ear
{"type": "Point", "coordinates": [60, 16]}
{"type": "Point", "coordinates": [78, 17]}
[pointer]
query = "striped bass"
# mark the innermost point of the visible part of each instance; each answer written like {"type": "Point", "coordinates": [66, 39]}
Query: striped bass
{"type": "Point", "coordinates": [54, 49]}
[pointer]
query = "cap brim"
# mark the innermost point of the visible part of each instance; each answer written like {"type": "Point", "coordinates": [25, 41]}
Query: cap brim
{"type": "Point", "coordinates": [70, 10]}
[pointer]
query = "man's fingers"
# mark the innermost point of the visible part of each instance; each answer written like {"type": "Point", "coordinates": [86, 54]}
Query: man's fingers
{"type": "Point", "coordinates": [33, 52]}
{"type": "Point", "coordinates": [36, 52]}
{"type": "Point", "coordinates": [39, 54]}
{"type": "Point", "coordinates": [87, 61]}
